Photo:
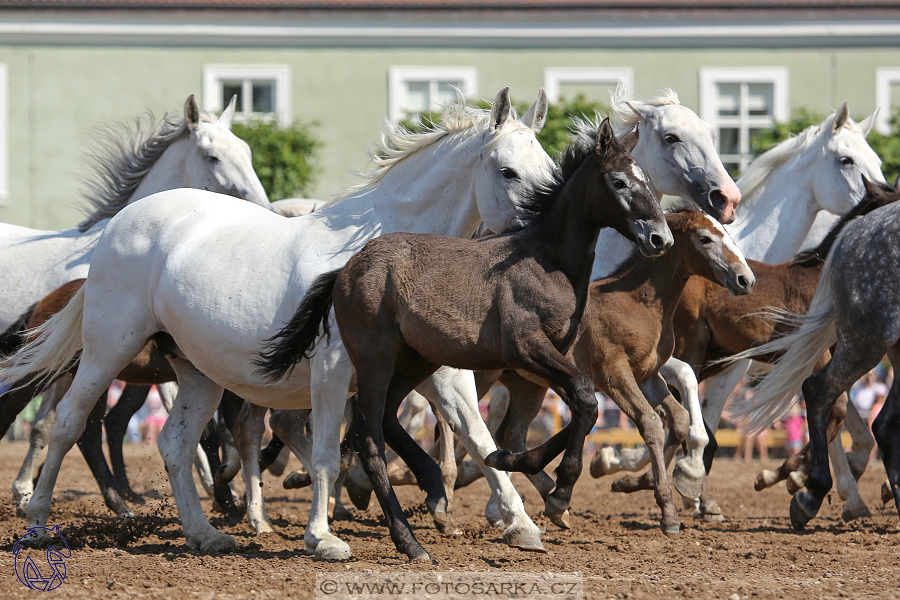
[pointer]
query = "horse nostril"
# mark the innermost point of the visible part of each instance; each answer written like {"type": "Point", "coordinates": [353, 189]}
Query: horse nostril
{"type": "Point", "coordinates": [657, 241]}
{"type": "Point", "coordinates": [742, 282]}
{"type": "Point", "coordinates": [718, 200]}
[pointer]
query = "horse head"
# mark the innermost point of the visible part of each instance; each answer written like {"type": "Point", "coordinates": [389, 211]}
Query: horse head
{"type": "Point", "coordinates": [710, 252]}
{"type": "Point", "coordinates": [677, 151]}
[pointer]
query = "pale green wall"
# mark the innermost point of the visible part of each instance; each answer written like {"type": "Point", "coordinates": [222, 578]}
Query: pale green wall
{"type": "Point", "coordinates": [57, 94]}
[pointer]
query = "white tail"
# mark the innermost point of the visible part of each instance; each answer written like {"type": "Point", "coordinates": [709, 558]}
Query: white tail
{"type": "Point", "coordinates": [52, 352]}
{"type": "Point", "coordinates": [801, 350]}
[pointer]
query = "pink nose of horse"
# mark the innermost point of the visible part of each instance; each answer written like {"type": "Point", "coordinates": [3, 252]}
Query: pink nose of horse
{"type": "Point", "coordinates": [725, 199]}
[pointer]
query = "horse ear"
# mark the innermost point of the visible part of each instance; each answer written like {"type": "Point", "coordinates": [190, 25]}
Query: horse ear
{"type": "Point", "coordinates": [868, 123]}
{"type": "Point", "coordinates": [631, 139]}
{"type": "Point", "coordinates": [605, 137]}
{"type": "Point", "coordinates": [840, 117]}
{"type": "Point", "coordinates": [535, 116]}
{"type": "Point", "coordinates": [896, 181]}
{"type": "Point", "coordinates": [191, 113]}
{"type": "Point", "coordinates": [635, 109]}
{"type": "Point", "coordinates": [227, 115]}
{"type": "Point", "coordinates": [500, 109]}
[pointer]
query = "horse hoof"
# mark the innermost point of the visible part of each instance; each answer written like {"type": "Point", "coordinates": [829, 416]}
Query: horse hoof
{"type": "Point", "coordinates": [886, 495]}
{"type": "Point", "coordinates": [296, 481]}
{"type": "Point", "coordinates": [359, 496]}
{"type": "Point", "coordinates": [449, 526]}
{"type": "Point", "coordinates": [764, 480]}
{"type": "Point", "coordinates": [857, 511]}
{"type": "Point", "coordinates": [332, 551]}
{"type": "Point", "coordinates": [624, 485]}
{"type": "Point", "coordinates": [686, 483]}
{"type": "Point", "coordinates": [672, 531]}
{"type": "Point", "coordinates": [219, 542]}
{"type": "Point", "coordinates": [438, 510]}
{"type": "Point", "coordinates": [562, 521]}
{"type": "Point", "coordinates": [558, 512]}
{"type": "Point", "coordinates": [800, 514]}
{"type": "Point", "coordinates": [601, 464]}
{"type": "Point", "coordinates": [795, 482]}
{"type": "Point", "coordinates": [421, 556]}
{"type": "Point", "coordinates": [341, 514]}
{"type": "Point", "coordinates": [496, 458]}
{"type": "Point", "coordinates": [712, 518]}
{"type": "Point", "coordinates": [36, 538]}
{"type": "Point", "coordinates": [524, 538]}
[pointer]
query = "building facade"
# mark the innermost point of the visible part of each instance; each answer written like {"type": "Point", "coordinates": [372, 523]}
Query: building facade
{"type": "Point", "coordinates": [68, 65]}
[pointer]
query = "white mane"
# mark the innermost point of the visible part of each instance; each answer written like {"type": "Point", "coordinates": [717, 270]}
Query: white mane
{"type": "Point", "coordinates": [396, 142]}
{"type": "Point", "coordinates": [624, 118]}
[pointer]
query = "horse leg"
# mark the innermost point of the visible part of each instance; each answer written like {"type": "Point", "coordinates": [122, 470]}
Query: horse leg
{"type": "Point", "coordinates": [91, 445]}
{"type": "Point", "coordinates": [689, 471]}
{"type": "Point", "coordinates": [23, 486]}
{"type": "Point", "coordinates": [223, 496]}
{"type": "Point", "coordinates": [446, 440]}
{"type": "Point", "coordinates": [331, 375]}
{"type": "Point", "coordinates": [885, 428]}
{"type": "Point", "coordinates": [382, 383]}
{"type": "Point", "coordinates": [863, 441]}
{"type": "Point", "coordinates": [455, 395]}
{"type": "Point", "coordinates": [229, 409]}
{"type": "Point", "coordinates": [624, 391]}
{"type": "Point", "coordinates": [116, 424]}
{"type": "Point", "coordinates": [248, 433]}
{"type": "Point", "coordinates": [821, 391]}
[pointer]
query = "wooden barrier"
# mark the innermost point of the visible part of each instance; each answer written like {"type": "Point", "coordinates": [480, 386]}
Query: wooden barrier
{"type": "Point", "coordinates": [726, 438]}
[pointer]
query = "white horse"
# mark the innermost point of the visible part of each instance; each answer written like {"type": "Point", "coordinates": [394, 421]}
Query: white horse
{"type": "Point", "coordinates": [196, 284]}
{"type": "Point", "coordinates": [131, 162]}
{"type": "Point", "coordinates": [784, 190]}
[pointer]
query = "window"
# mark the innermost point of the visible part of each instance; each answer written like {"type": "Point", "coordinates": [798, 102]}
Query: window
{"type": "Point", "coordinates": [887, 97]}
{"type": "Point", "coordinates": [414, 90]}
{"type": "Point", "coordinates": [262, 91]}
{"type": "Point", "coordinates": [738, 103]}
{"type": "Point", "coordinates": [4, 137]}
{"type": "Point", "coordinates": [595, 84]}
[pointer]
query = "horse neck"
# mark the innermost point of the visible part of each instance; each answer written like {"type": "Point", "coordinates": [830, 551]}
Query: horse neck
{"type": "Point", "coordinates": [167, 173]}
{"type": "Point", "coordinates": [568, 232]}
{"type": "Point", "coordinates": [657, 283]}
{"type": "Point", "coordinates": [772, 222]}
{"type": "Point", "coordinates": [430, 191]}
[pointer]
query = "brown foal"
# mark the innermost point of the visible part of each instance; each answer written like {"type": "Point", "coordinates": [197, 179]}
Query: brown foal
{"type": "Point", "coordinates": [407, 304]}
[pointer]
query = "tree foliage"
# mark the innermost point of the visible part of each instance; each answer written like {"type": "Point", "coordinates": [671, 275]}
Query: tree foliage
{"type": "Point", "coordinates": [557, 127]}
{"type": "Point", "coordinates": [283, 157]}
{"type": "Point", "coordinates": [887, 147]}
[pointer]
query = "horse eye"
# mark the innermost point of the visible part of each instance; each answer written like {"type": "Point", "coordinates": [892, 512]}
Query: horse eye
{"type": "Point", "coordinates": [212, 159]}
{"type": "Point", "coordinates": [508, 173]}
{"type": "Point", "coordinates": [672, 138]}
{"type": "Point", "coordinates": [846, 160]}
{"type": "Point", "coordinates": [705, 240]}
{"type": "Point", "coordinates": [619, 184]}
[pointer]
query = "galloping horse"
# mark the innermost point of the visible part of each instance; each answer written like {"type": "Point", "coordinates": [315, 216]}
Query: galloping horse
{"type": "Point", "coordinates": [406, 304]}
{"type": "Point", "coordinates": [195, 284]}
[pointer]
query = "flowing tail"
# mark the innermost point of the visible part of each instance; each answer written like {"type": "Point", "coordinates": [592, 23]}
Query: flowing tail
{"type": "Point", "coordinates": [296, 340]}
{"type": "Point", "coordinates": [799, 352]}
{"type": "Point", "coordinates": [53, 349]}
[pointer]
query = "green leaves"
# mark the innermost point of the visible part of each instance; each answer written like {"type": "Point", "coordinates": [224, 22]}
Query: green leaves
{"type": "Point", "coordinates": [283, 157]}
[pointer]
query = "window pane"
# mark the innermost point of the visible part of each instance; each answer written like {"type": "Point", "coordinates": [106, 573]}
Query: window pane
{"type": "Point", "coordinates": [729, 98]}
{"type": "Point", "coordinates": [446, 93]}
{"type": "Point", "coordinates": [263, 97]}
{"type": "Point", "coordinates": [592, 92]}
{"type": "Point", "coordinates": [729, 140]}
{"type": "Point", "coordinates": [759, 99]}
{"type": "Point", "coordinates": [229, 90]}
{"type": "Point", "coordinates": [417, 96]}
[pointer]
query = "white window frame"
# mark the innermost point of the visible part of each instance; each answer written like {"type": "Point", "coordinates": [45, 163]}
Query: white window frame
{"type": "Point", "coordinates": [214, 75]}
{"type": "Point", "coordinates": [885, 77]}
{"type": "Point", "coordinates": [398, 76]}
{"type": "Point", "coordinates": [4, 135]}
{"type": "Point", "coordinates": [556, 76]}
{"type": "Point", "coordinates": [710, 77]}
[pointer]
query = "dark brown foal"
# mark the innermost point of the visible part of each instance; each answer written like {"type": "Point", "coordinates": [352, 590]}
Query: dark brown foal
{"type": "Point", "coordinates": [407, 304]}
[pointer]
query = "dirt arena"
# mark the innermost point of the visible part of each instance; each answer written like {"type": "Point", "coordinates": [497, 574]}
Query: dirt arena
{"type": "Point", "coordinates": [615, 544]}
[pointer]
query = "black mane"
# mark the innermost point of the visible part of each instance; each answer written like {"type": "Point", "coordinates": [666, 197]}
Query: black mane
{"type": "Point", "coordinates": [817, 255]}
{"type": "Point", "coordinates": [538, 201]}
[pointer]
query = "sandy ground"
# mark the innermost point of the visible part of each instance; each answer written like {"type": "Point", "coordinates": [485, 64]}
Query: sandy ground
{"type": "Point", "coordinates": [615, 543]}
